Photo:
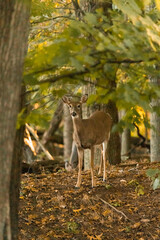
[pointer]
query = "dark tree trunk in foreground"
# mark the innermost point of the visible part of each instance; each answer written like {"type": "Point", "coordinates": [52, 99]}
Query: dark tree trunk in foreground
{"type": "Point", "coordinates": [16, 174]}
{"type": "Point", "coordinates": [14, 22]}
{"type": "Point", "coordinates": [15, 181]}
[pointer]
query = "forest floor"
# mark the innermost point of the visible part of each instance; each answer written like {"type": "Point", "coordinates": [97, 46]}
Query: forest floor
{"type": "Point", "coordinates": [125, 207]}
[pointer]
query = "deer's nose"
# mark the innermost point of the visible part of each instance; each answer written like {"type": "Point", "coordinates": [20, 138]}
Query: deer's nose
{"type": "Point", "coordinates": [74, 114]}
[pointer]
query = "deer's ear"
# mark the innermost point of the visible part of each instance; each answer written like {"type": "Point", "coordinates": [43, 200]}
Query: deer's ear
{"type": "Point", "coordinates": [66, 99]}
{"type": "Point", "coordinates": [84, 98]}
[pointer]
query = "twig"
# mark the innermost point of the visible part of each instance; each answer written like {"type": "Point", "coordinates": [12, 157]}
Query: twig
{"type": "Point", "coordinates": [39, 143]}
{"type": "Point", "coordinates": [54, 18]}
{"type": "Point", "coordinates": [115, 209]}
{"type": "Point", "coordinates": [69, 74]}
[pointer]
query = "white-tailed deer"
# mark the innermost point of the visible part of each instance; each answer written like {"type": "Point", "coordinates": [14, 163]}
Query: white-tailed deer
{"type": "Point", "coordinates": [89, 132]}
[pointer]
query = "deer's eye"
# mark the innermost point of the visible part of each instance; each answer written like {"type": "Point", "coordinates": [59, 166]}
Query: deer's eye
{"type": "Point", "coordinates": [78, 106]}
{"type": "Point", "coordinates": [70, 105]}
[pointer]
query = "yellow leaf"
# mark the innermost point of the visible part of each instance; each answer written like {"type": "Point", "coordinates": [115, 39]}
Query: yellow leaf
{"type": "Point", "coordinates": [106, 212]}
{"type": "Point", "coordinates": [157, 4]}
{"type": "Point", "coordinates": [32, 216]}
{"type": "Point", "coordinates": [136, 225]}
{"type": "Point", "coordinates": [90, 237]}
{"type": "Point", "coordinates": [51, 218]}
{"type": "Point", "coordinates": [96, 237]}
{"type": "Point", "coordinates": [77, 210]}
{"type": "Point", "coordinates": [146, 2]}
{"type": "Point", "coordinates": [21, 197]}
{"type": "Point", "coordinates": [99, 237]}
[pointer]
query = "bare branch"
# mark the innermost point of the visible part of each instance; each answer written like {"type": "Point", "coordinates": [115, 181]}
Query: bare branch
{"type": "Point", "coordinates": [48, 155]}
{"type": "Point", "coordinates": [54, 18]}
{"type": "Point", "coordinates": [115, 209]}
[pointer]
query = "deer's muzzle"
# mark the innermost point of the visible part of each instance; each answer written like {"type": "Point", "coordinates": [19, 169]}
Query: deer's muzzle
{"type": "Point", "coordinates": [74, 114]}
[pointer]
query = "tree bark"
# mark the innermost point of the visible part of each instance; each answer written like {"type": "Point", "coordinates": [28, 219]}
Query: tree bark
{"type": "Point", "coordinates": [14, 19]}
{"type": "Point", "coordinates": [125, 140]}
{"type": "Point", "coordinates": [155, 130]}
{"type": "Point", "coordinates": [57, 118]}
{"type": "Point", "coordinates": [15, 181]}
{"type": "Point", "coordinates": [67, 134]}
{"type": "Point", "coordinates": [125, 143]}
{"type": "Point", "coordinates": [74, 156]}
{"type": "Point", "coordinates": [114, 145]}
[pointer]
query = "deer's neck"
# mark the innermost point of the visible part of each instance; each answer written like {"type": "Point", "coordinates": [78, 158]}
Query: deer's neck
{"type": "Point", "coordinates": [77, 124]}
{"type": "Point", "coordinates": [78, 131]}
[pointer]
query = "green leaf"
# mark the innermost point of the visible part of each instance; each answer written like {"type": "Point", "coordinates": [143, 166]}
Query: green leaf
{"type": "Point", "coordinates": [107, 186]}
{"type": "Point", "coordinates": [36, 117]}
{"type": "Point", "coordinates": [30, 79]}
{"type": "Point", "coordinates": [77, 64]}
{"type": "Point", "coordinates": [21, 119]}
{"type": "Point", "coordinates": [74, 30]}
{"type": "Point", "coordinates": [156, 183]}
{"type": "Point", "coordinates": [91, 18]}
{"type": "Point", "coordinates": [140, 190]}
{"type": "Point", "coordinates": [41, 8]}
{"type": "Point", "coordinates": [130, 8]}
{"type": "Point", "coordinates": [72, 227]}
{"type": "Point", "coordinates": [59, 92]}
{"type": "Point", "coordinates": [152, 172]}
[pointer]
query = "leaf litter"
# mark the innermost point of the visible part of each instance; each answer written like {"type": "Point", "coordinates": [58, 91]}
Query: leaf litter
{"type": "Point", "coordinates": [125, 207]}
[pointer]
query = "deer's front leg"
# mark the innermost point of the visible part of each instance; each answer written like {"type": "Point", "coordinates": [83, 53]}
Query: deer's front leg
{"type": "Point", "coordinates": [80, 160]}
{"type": "Point", "coordinates": [92, 167]}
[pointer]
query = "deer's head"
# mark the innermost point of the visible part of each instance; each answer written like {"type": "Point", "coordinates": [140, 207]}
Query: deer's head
{"type": "Point", "coordinates": [75, 107]}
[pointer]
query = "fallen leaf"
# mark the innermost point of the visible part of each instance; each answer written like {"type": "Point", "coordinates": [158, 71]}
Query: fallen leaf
{"type": "Point", "coordinates": [106, 212]}
{"type": "Point", "coordinates": [77, 211]}
{"type": "Point", "coordinates": [136, 225]}
{"type": "Point", "coordinates": [145, 220]}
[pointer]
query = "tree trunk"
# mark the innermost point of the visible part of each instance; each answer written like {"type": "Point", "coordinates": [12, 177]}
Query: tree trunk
{"type": "Point", "coordinates": [155, 130]}
{"type": "Point", "coordinates": [146, 128]}
{"type": "Point", "coordinates": [67, 133]}
{"type": "Point", "coordinates": [74, 156]}
{"type": "Point", "coordinates": [16, 173]}
{"type": "Point", "coordinates": [14, 19]}
{"type": "Point", "coordinates": [57, 118]}
{"type": "Point", "coordinates": [53, 126]}
{"type": "Point", "coordinates": [125, 143]}
{"type": "Point", "coordinates": [114, 145]}
{"type": "Point", "coordinates": [125, 140]}
{"type": "Point", "coordinates": [15, 181]}
{"type": "Point", "coordinates": [155, 136]}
